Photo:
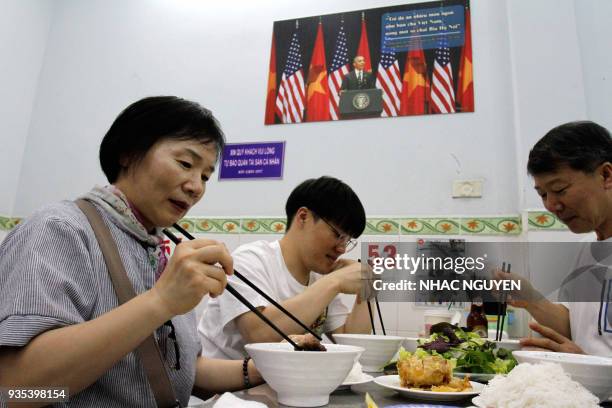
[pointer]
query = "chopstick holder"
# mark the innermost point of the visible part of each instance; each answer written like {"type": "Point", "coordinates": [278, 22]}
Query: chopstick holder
{"type": "Point", "coordinates": [148, 351]}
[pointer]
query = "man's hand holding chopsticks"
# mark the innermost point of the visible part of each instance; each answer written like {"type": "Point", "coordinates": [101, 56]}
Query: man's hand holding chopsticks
{"type": "Point", "coordinates": [518, 298]}
{"type": "Point", "coordinates": [346, 276]}
{"type": "Point", "coordinates": [354, 278]}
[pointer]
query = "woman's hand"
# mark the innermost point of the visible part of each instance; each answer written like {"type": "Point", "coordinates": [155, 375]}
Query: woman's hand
{"type": "Point", "coordinates": [192, 272]}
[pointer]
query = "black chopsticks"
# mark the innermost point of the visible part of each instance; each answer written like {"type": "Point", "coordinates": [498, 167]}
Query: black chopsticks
{"type": "Point", "coordinates": [256, 289]}
{"type": "Point", "coordinates": [371, 317]}
{"type": "Point", "coordinates": [501, 308]}
{"type": "Point", "coordinates": [238, 296]}
{"type": "Point", "coordinates": [382, 324]}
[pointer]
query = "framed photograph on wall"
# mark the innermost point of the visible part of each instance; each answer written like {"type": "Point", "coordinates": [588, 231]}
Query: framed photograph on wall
{"type": "Point", "coordinates": [413, 59]}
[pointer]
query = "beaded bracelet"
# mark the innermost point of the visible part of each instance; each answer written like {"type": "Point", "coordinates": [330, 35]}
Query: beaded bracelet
{"type": "Point", "coordinates": [245, 372]}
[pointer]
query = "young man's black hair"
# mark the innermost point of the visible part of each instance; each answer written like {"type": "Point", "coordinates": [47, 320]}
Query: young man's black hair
{"type": "Point", "coordinates": [330, 199]}
{"type": "Point", "coordinates": [582, 145]}
{"type": "Point", "coordinates": [149, 120]}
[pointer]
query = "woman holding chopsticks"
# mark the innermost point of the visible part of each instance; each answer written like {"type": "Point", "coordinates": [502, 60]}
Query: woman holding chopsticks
{"type": "Point", "coordinates": [61, 323]}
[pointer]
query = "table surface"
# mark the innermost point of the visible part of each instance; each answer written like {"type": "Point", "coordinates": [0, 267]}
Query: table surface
{"type": "Point", "coordinates": [354, 397]}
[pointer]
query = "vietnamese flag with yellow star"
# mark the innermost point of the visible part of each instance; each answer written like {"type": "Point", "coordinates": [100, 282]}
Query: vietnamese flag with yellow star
{"type": "Point", "coordinates": [271, 97]}
{"type": "Point", "coordinates": [317, 95]}
{"type": "Point", "coordinates": [465, 85]}
{"type": "Point", "coordinates": [414, 84]}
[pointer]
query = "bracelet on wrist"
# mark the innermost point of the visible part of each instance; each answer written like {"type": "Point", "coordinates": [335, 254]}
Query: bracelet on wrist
{"type": "Point", "coordinates": [245, 372]}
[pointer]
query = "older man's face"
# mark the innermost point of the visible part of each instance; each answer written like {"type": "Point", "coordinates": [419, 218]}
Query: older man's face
{"type": "Point", "coordinates": [580, 200]}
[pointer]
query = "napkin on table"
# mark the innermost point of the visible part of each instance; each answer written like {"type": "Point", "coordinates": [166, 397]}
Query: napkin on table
{"type": "Point", "coordinates": [229, 400]}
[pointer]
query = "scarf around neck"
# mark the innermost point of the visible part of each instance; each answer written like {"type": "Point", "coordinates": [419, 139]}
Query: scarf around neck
{"type": "Point", "coordinates": [127, 216]}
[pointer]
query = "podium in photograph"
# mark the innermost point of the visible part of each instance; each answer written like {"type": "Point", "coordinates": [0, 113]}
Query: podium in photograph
{"type": "Point", "coordinates": [361, 103]}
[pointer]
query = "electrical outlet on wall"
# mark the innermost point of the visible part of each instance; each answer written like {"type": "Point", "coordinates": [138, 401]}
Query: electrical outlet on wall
{"type": "Point", "coordinates": [467, 188]}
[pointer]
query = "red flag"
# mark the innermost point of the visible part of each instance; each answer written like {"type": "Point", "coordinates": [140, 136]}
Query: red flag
{"type": "Point", "coordinates": [271, 97]}
{"type": "Point", "coordinates": [465, 85]}
{"type": "Point", "coordinates": [364, 47]}
{"type": "Point", "coordinates": [317, 96]}
{"type": "Point", "coordinates": [414, 84]}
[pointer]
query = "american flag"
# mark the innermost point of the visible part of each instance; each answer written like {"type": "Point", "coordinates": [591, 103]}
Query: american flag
{"type": "Point", "coordinates": [339, 68]}
{"type": "Point", "coordinates": [442, 86]}
{"type": "Point", "coordinates": [388, 79]}
{"type": "Point", "coordinates": [291, 96]}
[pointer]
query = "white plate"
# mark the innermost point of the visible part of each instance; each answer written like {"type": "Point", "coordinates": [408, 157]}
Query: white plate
{"type": "Point", "coordinates": [475, 376]}
{"type": "Point", "coordinates": [366, 378]}
{"type": "Point", "coordinates": [392, 382]}
{"type": "Point", "coordinates": [477, 404]}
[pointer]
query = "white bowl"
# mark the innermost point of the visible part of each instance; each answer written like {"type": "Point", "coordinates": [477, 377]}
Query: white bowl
{"type": "Point", "coordinates": [303, 378]}
{"type": "Point", "coordinates": [379, 349]}
{"type": "Point", "coordinates": [411, 343]}
{"type": "Point", "coordinates": [593, 372]}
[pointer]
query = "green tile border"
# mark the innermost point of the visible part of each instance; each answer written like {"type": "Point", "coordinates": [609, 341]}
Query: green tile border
{"type": "Point", "coordinates": [263, 226]}
{"type": "Point", "coordinates": [509, 225]}
{"type": "Point", "coordinates": [211, 225]}
{"type": "Point", "coordinates": [544, 221]}
{"type": "Point", "coordinates": [8, 223]}
{"type": "Point", "coordinates": [381, 226]}
{"type": "Point", "coordinates": [429, 226]}
{"type": "Point", "coordinates": [492, 226]}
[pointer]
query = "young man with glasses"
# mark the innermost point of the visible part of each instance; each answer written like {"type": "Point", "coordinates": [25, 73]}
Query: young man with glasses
{"type": "Point", "coordinates": [302, 271]}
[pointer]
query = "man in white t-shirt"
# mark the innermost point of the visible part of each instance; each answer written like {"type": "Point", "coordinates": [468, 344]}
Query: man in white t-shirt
{"type": "Point", "coordinates": [302, 271]}
{"type": "Point", "coordinates": [572, 170]}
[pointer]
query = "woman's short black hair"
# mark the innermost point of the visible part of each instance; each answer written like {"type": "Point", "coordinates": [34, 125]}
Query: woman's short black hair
{"type": "Point", "coordinates": [331, 199]}
{"type": "Point", "coordinates": [581, 145]}
{"type": "Point", "coordinates": [149, 120]}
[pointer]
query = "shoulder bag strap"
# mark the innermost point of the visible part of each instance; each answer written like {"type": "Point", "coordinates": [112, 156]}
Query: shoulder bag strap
{"type": "Point", "coordinates": [148, 351]}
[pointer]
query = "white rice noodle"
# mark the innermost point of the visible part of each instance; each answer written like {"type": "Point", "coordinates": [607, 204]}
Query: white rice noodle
{"type": "Point", "coordinates": [535, 385]}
